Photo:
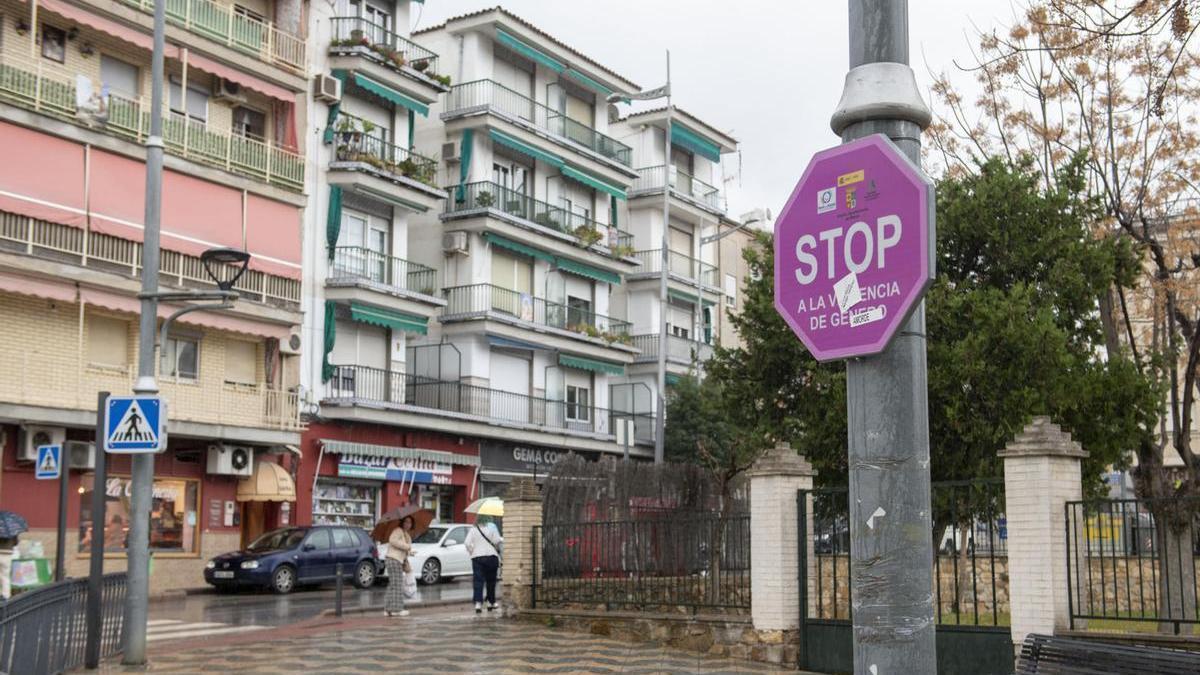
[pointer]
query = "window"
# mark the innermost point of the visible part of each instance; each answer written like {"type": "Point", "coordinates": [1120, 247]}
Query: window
{"type": "Point", "coordinates": [680, 243]}
{"type": "Point", "coordinates": [181, 358]}
{"type": "Point", "coordinates": [173, 527]}
{"type": "Point", "coordinates": [343, 539]}
{"type": "Point", "coordinates": [318, 539]}
{"type": "Point", "coordinates": [365, 247]}
{"type": "Point", "coordinates": [241, 362]}
{"type": "Point", "coordinates": [108, 342]}
{"type": "Point", "coordinates": [121, 78]}
{"type": "Point", "coordinates": [512, 176]}
{"type": "Point", "coordinates": [680, 319]}
{"type": "Point", "coordinates": [197, 100]}
{"type": "Point", "coordinates": [54, 43]}
{"type": "Point", "coordinates": [578, 403]}
{"type": "Point", "coordinates": [512, 284]}
{"type": "Point", "coordinates": [249, 123]}
{"type": "Point", "coordinates": [579, 312]}
{"type": "Point", "coordinates": [731, 290]}
{"type": "Point", "coordinates": [581, 110]}
{"type": "Point", "coordinates": [249, 14]}
{"type": "Point", "coordinates": [457, 536]}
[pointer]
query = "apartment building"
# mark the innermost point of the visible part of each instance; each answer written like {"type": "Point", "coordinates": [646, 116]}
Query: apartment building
{"type": "Point", "coordinates": [74, 116]}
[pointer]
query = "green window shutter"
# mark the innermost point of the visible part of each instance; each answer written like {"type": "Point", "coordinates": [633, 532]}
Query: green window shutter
{"type": "Point", "coordinates": [333, 221]}
{"type": "Point", "coordinates": [593, 365]}
{"type": "Point", "coordinates": [388, 318]}
{"type": "Point", "coordinates": [568, 265]}
{"type": "Point", "coordinates": [686, 138]}
{"type": "Point", "coordinates": [497, 240]}
{"type": "Point", "coordinates": [592, 182]}
{"type": "Point", "coordinates": [524, 148]}
{"type": "Point", "coordinates": [464, 163]}
{"type": "Point", "coordinates": [612, 207]}
{"type": "Point", "coordinates": [330, 338]}
{"type": "Point", "coordinates": [527, 51]}
{"type": "Point", "coordinates": [331, 121]}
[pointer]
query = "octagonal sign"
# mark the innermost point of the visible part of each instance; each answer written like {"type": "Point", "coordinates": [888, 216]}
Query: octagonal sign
{"type": "Point", "coordinates": [854, 248]}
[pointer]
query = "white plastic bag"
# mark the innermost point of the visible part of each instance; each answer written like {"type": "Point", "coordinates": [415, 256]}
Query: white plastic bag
{"type": "Point", "coordinates": [410, 585]}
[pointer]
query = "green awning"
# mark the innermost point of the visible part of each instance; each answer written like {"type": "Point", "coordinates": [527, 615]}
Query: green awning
{"type": "Point", "coordinates": [330, 338]}
{"type": "Point", "coordinates": [524, 148]}
{"type": "Point", "coordinates": [528, 52]}
{"type": "Point", "coordinates": [687, 297]}
{"type": "Point", "coordinates": [568, 265]}
{"type": "Point", "coordinates": [673, 379]}
{"type": "Point", "coordinates": [686, 138]}
{"type": "Point", "coordinates": [592, 182]}
{"type": "Point", "coordinates": [587, 81]}
{"type": "Point", "coordinates": [388, 318]}
{"type": "Point", "coordinates": [388, 94]}
{"type": "Point", "coordinates": [590, 364]}
{"type": "Point", "coordinates": [497, 240]}
{"type": "Point", "coordinates": [420, 454]}
{"type": "Point", "coordinates": [464, 163]}
{"type": "Point", "coordinates": [333, 220]}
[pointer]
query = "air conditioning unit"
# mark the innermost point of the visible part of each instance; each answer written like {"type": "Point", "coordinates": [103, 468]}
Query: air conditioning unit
{"type": "Point", "coordinates": [80, 454]}
{"type": "Point", "coordinates": [450, 151]}
{"type": "Point", "coordinates": [455, 243]}
{"type": "Point", "coordinates": [230, 460]}
{"type": "Point", "coordinates": [328, 88]}
{"type": "Point", "coordinates": [291, 345]}
{"type": "Point", "coordinates": [32, 436]}
{"type": "Point", "coordinates": [228, 91]}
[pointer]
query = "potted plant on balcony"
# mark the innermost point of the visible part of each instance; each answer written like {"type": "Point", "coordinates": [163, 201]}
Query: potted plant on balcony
{"type": "Point", "coordinates": [622, 251]}
{"type": "Point", "coordinates": [407, 167]}
{"type": "Point", "coordinates": [587, 235]}
{"type": "Point", "coordinates": [484, 199]}
{"type": "Point", "coordinates": [349, 137]}
{"type": "Point", "coordinates": [443, 79]}
{"type": "Point", "coordinates": [357, 37]}
{"type": "Point", "coordinates": [546, 220]}
{"type": "Point", "coordinates": [420, 65]}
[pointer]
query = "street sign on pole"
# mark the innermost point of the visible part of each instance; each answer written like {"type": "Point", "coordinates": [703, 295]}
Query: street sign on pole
{"type": "Point", "coordinates": [49, 462]}
{"type": "Point", "coordinates": [135, 425]}
{"type": "Point", "coordinates": [854, 248]}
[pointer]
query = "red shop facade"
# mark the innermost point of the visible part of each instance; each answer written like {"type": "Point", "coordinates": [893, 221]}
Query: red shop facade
{"type": "Point", "coordinates": [353, 472]}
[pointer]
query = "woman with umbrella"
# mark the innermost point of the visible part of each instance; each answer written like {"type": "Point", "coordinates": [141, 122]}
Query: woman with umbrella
{"type": "Point", "coordinates": [398, 528]}
{"type": "Point", "coordinates": [483, 545]}
{"type": "Point", "coordinates": [11, 527]}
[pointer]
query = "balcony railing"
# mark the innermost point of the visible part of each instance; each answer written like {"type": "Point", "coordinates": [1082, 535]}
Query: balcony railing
{"type": "Point", "coordinates": [356, 262]}
{"type": "Point", "coordinates": [678, 348]}
{"type": "Point", "coordinates": [488, 195]}
{"type": "Point", "coordinates": [49, 91]}
{"type": "Point", "coordinates": [390, 48]}
{"type": "Point", "coordinates": [679, 264]}
{"type": "Point", "coordinates": [260, 39]}
{"type": "Point", "coordinates": [495, 96]}
{"type": "Point", "coordinates": [479, 299]}
{"type": "Point", "coordinates": [378, 386]}
{"type": "Point", "coordinates": [652, 178]}
{"type": "Point", "coordinates": [384, 157]}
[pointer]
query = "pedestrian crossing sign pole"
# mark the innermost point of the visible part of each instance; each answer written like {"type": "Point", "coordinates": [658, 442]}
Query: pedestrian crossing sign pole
{"type": "Point", "coordinates": [135, 424]}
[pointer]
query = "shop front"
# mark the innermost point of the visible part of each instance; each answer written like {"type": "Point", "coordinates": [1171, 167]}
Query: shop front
{"type": "Point", "coordinates": [502, 462]}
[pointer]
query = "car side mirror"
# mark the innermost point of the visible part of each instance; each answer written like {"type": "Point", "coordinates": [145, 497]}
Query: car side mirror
{"type": "Point", "coordinates": [447, 543]}
{"type": "Point", "coordinates": [308, 547]}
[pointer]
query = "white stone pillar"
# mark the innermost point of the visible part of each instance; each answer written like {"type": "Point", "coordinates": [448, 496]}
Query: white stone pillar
{"type": "Point", "coordinates": [522, 515]}
{"type": "Point", "coordinates": [775, 481]}
{"type": "Point", "coordinates": [1041, 474]}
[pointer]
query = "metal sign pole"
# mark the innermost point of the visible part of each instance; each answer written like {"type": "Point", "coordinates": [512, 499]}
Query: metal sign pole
{"type": "Point", "coordinates": [96, 567]}
{"type": "Point", "coordinates": [886, 395]}
{"type": "Point", "coordinates": [60, 548]}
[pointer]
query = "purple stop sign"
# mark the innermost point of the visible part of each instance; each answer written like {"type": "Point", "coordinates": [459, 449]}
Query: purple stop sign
{"type": "Point", "coordinates": [854, 248]}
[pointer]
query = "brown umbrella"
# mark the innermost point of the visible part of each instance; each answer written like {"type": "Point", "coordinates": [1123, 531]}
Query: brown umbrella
{"type": "Point", "coordinates": [391, 520]}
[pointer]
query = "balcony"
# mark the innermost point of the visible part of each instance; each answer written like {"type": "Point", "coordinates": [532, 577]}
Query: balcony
{"type": "Point", "coordinates": [53, 93]}
{"type": "Point", "coordinates": [586, 232]}
{"type": "Point", "coordinates": [220, 23]}
{"type": "Point", "coordinates": [494, 97]}
{"type": "Point", "coordinates": [680, 265]}
{"type": "Point", "coordinates": [356, 40]}
{"type": "Point", "coordinates": [650, 179]}
{"type": "Point", "coordinates": [368, 164]}
{"type": "Point", "coordinates": [679, 349]}
{"type": "Point", "coordinates": [488, 301]}
{"type": "Point", "coordinates": [356, 262]}
{"type": "Point", "coordinates": [383, 388]}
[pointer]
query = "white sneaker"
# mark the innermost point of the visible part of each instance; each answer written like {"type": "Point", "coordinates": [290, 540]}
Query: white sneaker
{"type": "Point", "coordinates": [479, 608]}
{"type": "Point", "coordinates": [403, 612]}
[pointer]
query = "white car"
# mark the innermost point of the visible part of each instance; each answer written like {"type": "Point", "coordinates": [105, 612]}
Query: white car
{"type": "Point", "coordinates": [439, 553]}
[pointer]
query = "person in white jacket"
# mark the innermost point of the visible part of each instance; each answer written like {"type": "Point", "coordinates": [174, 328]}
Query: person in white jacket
{"type": "Point", "coordinates": [483, 544]}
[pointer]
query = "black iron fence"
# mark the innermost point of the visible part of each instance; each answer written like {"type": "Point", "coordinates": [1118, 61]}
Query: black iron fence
{"type": "Point", "coordinates": [1132, 564]}
{"type": "Point", "coordinates": [45, 630]}
{"type": "Point", "coordinates": [354, 142]}
{"type": "Point", "coordinates": [680, 562]}
{"type": "Point", "coordinates": [385, 46]}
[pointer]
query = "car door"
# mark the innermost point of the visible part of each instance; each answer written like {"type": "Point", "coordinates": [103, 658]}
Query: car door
{"type": "Point", "coordinates": [316, 556]}
{"type": "Point", "coordinates": [345, 550]}
{"type": "Point", "coordinates": [455, 558]}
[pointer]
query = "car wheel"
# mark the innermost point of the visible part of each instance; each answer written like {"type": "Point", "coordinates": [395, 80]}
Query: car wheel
{"type": "Point", "coordinates": [364, 576]}
{"type": "Point", "coordinates": [283, 580]}
{"type": "Point", "coordinates": [431, 572]}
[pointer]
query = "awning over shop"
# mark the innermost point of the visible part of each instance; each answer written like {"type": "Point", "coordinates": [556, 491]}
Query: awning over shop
{"type": "Point", "coordinates": [592, 182]}
{"type": "Point", "coordinates": [686, 138]}
{"type": "Point", "coordinates": [592, 365]}
{"type": "Point", "coordinates": [391, 451]}
{"type": "Point", "coordinates": [269, 483]}
{"type": "Point", "coordinates": [531, 53]}
{"type": "Point", "coordinates": [517, 247]}
{"type": "Point", "coordinates": [388, 318]}
{"type": "Point", "coordinates": [525, 148]}
{"type": "Point", "coordinates": [568, 265]}
{"type": "Point", "coordinates": [385, 92]}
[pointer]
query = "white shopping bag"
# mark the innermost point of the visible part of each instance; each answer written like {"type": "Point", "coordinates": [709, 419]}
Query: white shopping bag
{"type": "Point", "coordinates": [410, 585]}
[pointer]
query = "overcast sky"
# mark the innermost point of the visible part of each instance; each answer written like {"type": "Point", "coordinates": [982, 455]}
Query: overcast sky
{"type": "Point", "coordinates": [767, 71]}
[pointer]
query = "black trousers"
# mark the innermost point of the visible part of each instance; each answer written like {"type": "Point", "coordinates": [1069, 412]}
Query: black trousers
{"type": "Point", "coordinates": [483, 572]}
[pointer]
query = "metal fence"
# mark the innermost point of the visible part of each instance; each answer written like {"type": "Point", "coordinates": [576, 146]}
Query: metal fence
{"type": "Point", "coordinates": [679, 264]}
{"type": "Point", "coordinates": [358, 262]}
{"type": "Point", "coordinates": [1128, 569]}
{"type": "Point", "coordinates": [353, 144]}
{"type": "Point", "coordinates": [45, 630]}
{"type": "Point", "coordinates": [665, 562]}
{"type": "Point", "coordinates": [387, 46]}
{"type": "Point", "coordinates": [652, 178]}
{"type": "Point", "coordinates": [480, 299]}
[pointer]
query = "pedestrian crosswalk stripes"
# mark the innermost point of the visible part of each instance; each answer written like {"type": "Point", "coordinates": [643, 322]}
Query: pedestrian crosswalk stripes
{"type": "Point", "coordinates": [160, 630]}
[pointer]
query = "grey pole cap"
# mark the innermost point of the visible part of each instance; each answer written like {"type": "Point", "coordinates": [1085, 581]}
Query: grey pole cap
{"type": "Point", "coordinates": [880, 91]}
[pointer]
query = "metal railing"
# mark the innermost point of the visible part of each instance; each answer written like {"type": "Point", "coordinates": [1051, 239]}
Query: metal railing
{"type": "Point", "coordinates": [124, 256]}
{"type": "Point", "coordinates": [377, 385]}
{"type": "Point", "coordinates": [690, 561]}
{"type": "Point", "coordinates": [479, 299]}
{"type": "Point", "coordinates": [355, 146]}
{"type": "Point", "coordinates": [43, 88]}
{"type": "Point", "coordinates": [1127, 568]}
{"type": "Point", "coordinates": [45, 630]}
{"type": "Point", "coordinates": [389, 47]}
{"type": "Point", "coordinates": [679, 264]}
{"type": "Point", "coordinates": [488, 195]}
{"type": "Point", "coordinates": [652, 178]}
{"type": "Point", "coordinates": [488, 94]}
{"type": "Point", "coordinates": [357, 262]}
{"type": "Point", "coordinates": [678, 348]}
{"type": "Point", "coordinates": [221, 23]}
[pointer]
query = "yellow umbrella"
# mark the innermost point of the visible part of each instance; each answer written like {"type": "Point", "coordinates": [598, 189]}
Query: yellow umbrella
{"type": "Point", "coordinates": [488, 506]}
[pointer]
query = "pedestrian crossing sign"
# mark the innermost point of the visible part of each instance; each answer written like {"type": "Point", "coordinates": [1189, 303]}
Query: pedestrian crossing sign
{"type": "Point", "coordinates": [49, 462]}
{"type": "Point", "coordinates": [135, 424]}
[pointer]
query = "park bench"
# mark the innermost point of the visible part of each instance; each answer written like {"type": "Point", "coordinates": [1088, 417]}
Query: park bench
{"type": "Point", "coordinates": [1045, 654]}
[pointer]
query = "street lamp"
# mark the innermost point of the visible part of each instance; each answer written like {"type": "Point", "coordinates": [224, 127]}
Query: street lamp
{"type": "Point", "coordinates": [225, 266]}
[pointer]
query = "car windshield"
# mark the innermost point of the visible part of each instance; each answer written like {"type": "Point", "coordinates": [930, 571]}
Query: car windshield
{"type": "Point", "coordinates": [431, 536]}
{"type": "Point", "coordinates": [277, 540]}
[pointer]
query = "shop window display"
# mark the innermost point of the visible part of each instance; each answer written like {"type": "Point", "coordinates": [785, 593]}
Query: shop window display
{"type": "Point", "coordinates": [173, 527]}
{"type": "Point", "coordinates": [336, 503]}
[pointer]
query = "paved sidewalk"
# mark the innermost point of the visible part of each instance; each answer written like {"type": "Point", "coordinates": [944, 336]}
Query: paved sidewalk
{"type": "Point", "coordinates": [441, 640]}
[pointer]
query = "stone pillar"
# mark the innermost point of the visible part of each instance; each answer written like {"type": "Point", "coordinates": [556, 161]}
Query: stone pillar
{"type": "Point", "coordinates": [522, 513]}
{"type": "Point", "coordinates": [775, 480]}
{"type": "Point", "coordinates": [1041, 474]}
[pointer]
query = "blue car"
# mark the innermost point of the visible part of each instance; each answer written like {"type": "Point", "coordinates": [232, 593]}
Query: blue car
{"type": "Point", "coordinates": [283, 559]}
